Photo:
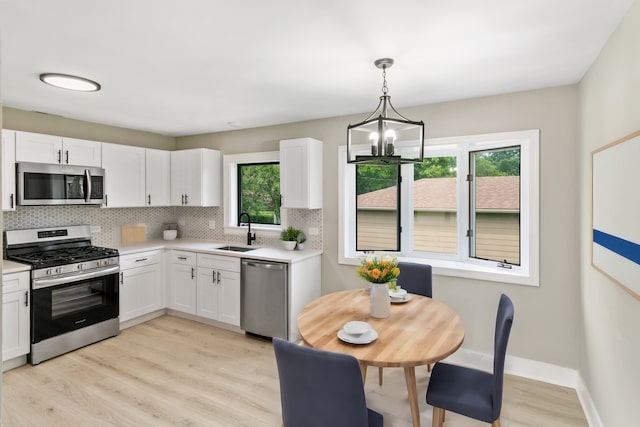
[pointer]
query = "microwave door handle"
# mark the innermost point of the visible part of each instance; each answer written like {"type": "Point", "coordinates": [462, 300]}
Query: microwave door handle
{"type": "Point", "coordinates": [87, 177]}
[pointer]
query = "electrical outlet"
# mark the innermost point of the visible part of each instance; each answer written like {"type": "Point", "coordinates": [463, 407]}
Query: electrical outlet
{"type": "Point", "coordinates": [313, 231]}
{"type": "Point", "coordinates": [96, 229]}
{"type": "Point", "coordinates": [212, 224]}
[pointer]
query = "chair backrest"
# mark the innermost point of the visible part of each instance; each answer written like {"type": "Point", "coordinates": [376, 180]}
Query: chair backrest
{"type": "Point", "coordinates": [504, 320]}
{"type": "Point", "coordinates": [416, 278]}
{"type": "Point", "coordinates": [319, 388]}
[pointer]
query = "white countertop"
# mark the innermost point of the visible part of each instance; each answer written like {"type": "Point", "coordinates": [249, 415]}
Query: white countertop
{"type": "Point", "coordinates": [210, 246]}
{"type": "Point", "coordinates": [13, 267]}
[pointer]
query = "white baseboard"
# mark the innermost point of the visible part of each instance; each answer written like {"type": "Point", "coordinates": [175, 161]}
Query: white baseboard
{"type": "Point", "coordinates": [589, 408]}
{"type": "Point", "coordinates": [539, 371]}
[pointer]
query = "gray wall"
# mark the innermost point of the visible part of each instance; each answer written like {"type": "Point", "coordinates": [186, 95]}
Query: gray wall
{"type": "Point", "coordinates": [610, 346]}
{"type": "Point", "coordinates": [547, 317]}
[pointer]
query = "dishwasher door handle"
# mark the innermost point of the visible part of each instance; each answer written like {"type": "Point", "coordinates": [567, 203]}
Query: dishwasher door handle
{"type": "Point", "coordinates": [265, 265]}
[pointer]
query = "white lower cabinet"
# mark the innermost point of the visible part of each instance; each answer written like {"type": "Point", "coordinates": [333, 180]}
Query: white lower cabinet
{"type": "Point", "coordinates": [182, 281]}
{"type": "Point", "coordinates": [140, 284]}
{"type": "Point", "coordinates": [15, 315]}
{"type": "Point", "coordinates": [218, 288]}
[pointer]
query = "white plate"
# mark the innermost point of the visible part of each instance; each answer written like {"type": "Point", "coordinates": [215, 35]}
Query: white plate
{"type": "Point", "coordinates": [405, 298]}
{"type": "Point", "coordinates": [400, 293]}
{"type": "Point", "coordinates": [365, 338]}
{"type": "Point", "coordinates": [356, 328]}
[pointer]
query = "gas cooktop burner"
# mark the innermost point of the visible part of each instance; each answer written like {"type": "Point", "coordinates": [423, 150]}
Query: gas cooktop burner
{"type": "Point", "coordinates": [44, 259]}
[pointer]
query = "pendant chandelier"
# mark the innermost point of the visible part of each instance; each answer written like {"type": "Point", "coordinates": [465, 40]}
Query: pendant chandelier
{"type": "Point", "coordinates": [385, 137]}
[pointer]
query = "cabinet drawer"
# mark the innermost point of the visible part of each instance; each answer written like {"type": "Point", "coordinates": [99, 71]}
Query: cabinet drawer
{"type": "Point", "coordinates": [183, 257]}
{"type": "Point", "coordinates": [219, 262]}
{"type": "Point", "coordinates": [140, 259]}
{"type": "Point", "coordinates": [12, 282]}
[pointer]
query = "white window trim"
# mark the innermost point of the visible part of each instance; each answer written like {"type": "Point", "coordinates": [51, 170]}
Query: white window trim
{"type": "Point", "coordinates": [230, 179]}
{"type": "Point", "coordinates": [459, 265]}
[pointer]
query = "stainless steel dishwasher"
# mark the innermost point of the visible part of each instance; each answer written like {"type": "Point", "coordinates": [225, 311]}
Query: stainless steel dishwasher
{"type": "Point", "coordinates": [264, 308]}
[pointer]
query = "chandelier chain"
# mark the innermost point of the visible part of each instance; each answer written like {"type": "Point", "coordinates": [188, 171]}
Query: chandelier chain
{"type": "Point", "coordinates": [385, 89]}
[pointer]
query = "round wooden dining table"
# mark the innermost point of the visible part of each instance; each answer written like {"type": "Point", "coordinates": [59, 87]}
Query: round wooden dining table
{"type": "Point", "coordinates": [418, 332]}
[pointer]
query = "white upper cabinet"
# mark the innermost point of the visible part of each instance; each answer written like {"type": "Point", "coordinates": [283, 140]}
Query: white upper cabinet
{"type": "Point", "coordinates": [8, 170]}
{"type": "Point", "coordinates": [195, 177]}
{"type": "Point", "coordinates": [301, 173]}
{"type": "Point", "coordinates": [41, 148]}
{"type": "Point", "coordinates": [158, 172]}
{"type": "Point", "coordinates": [124, 167]}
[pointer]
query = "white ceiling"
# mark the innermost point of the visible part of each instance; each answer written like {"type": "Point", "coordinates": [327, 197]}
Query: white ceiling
{"type": "Point", "coordinates": [182, 67]}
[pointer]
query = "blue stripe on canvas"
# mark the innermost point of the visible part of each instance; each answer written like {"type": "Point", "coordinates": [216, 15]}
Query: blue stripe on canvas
{"type": "Point", "coordinates": [622, 247]}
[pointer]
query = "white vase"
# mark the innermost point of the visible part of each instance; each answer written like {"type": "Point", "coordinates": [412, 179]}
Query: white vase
{"type": "Point", "coordinates": [380, 300]}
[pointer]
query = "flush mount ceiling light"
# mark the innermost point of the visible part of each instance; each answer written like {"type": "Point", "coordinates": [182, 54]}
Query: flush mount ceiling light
{"type": "Point", "coordinates": [66, 81]}
{"type": "Point", "coordinates": [385, 137]}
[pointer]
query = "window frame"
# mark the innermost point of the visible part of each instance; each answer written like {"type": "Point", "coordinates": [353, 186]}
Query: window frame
{"type": "Point", "coordinates": [230, 182]}
{"type": "Point", "coordinates": [460, 264]}
{"type": "Point", "coordinates": [239, 168]}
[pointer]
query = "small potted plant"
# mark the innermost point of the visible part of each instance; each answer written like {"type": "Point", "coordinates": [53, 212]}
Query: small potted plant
{"type": "Point", "coordinates": [289, 237]}
{"type": "Point", "coordinates": [301, 239]}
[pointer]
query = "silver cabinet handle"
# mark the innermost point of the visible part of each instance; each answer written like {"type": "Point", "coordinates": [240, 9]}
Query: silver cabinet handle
{"type": "Point", "coordinates": [11, 201]}
{"type": "Point", "coordinates": [66, 153]}
{"type": "Point", "coordinates": [193, 272]}
{"type": "Point", "coordinates": [184, 258]}
{"type": "Point", "coordinates": [122, 278]}
{"type": "Point", "coordinates": [149, 202]}
{"type": "Point", "coordinates": [59, 156]}
{"type": "Point", "coordinates": [26, 298]}
{"type": "Point", "coordinates": [141, 259]}
{"type": "Point", "coordinates": [186, 199]}
{"type": "Point", "coordinates": [213, 276]}
{"type": "Point", "coordinates": [182, 195]}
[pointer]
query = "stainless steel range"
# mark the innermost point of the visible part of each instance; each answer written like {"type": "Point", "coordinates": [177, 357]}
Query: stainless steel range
{"type": "Point", "coordinates": [74, 288]}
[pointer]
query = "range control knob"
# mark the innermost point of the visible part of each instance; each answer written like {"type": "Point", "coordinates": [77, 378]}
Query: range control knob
{"type": "Point", "coordinates": [80, 266]}
{"type": "Point", "coordinates": [58, 270]}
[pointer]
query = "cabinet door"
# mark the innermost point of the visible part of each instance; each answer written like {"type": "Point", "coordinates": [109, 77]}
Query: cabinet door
{"type": "Point", "coordinates": [124, 175]}
{"type": "Point", "coordinates": [140, 291]}
{"type": "Point", "coordinates": [301, 173]}
{"type": "Point", "coordinates": [81, 152]}
{"type": "Point", "coordinates": [157, 182]}
{"type": "Point", "coordinates": [179, 162]}
{"type": "Point", "coordinates": [229, 297]}
{"type": "Point", "coordinates": [207, 293]}
{"type": "Point", "coordinates": [15, 324]}
{"type": "Point", "coordinates": [8, 170]}
{"type": "Point", "coordinates": [38, 148]}
{"type": "Point", "coordinates": [183, 288]}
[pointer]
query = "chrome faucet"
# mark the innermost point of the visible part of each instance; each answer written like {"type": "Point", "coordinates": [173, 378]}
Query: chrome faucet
{"type": "Point", "coordinates": [250, 236]}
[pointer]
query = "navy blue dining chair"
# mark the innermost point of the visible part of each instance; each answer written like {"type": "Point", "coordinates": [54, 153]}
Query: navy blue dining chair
{"type": "Point", "coordinates": [416, 279]}
{"type": "Point", "coordinates": [471, 392]}
{"type": "Point", "coordinates": [320, 388]}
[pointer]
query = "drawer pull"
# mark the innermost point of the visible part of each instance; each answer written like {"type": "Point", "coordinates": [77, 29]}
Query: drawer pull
{"type": "Point", "coordinates": [141, 259]}
{"type": "Point", "coordinates": [183, 258]}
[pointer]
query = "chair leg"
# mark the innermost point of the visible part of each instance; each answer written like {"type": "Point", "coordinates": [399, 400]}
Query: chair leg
{"type": "Point", "coordinates": [438, 417]}
{"type": "Point", "coordinates": [429, 367]}
{"type": "Point", "coordinates": [379, 376]}
{"type": "Point", "coordinates": [496, 423]}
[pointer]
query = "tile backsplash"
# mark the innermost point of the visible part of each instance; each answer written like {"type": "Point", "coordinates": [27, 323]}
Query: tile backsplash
{"type": "Point", "coordinates": [193, 222]}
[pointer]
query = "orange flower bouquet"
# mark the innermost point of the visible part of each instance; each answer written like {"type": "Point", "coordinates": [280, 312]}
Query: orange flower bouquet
{"type": "Point", "coordinates": [379, 270]}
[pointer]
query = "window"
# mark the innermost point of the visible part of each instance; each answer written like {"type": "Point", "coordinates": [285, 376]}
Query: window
{"type": "Point", "coordinates": [259, 191]}
{"type": "Point", "coordinates": [470, 208]}
{"type": "Point", "coordinates": [377, 208]}
{"type": "Point", "coordinates": [252, 184]}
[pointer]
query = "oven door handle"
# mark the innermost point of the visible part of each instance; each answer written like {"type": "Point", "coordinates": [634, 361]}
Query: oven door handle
{"type": "Point", "coordinates": [45, 282]}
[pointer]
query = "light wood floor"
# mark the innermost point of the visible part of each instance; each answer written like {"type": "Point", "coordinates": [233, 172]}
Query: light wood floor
{"type": "Point", "coordinates": [175, 372]}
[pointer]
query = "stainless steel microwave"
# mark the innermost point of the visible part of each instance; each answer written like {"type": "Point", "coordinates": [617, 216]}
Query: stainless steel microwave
{"type": "Point", "coordinates": [45, 184]}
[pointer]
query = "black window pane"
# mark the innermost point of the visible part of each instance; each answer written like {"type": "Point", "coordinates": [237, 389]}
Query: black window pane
{"type": "Point", "coordinates": [259, 192]}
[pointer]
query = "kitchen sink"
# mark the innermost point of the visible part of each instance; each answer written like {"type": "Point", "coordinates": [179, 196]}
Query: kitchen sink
{"type": "Point", "coordinates": [235, 248]}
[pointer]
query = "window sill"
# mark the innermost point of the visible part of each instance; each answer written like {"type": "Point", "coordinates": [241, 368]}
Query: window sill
{"type": "Point", "coordinates": [466, 270]}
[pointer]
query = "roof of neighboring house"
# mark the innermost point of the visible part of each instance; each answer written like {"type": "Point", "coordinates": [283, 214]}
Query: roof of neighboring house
{"type": "Point", "coordinates": [492, 193]}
